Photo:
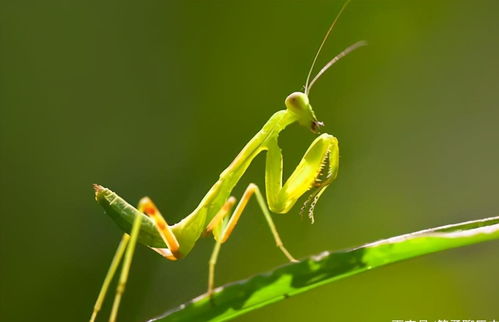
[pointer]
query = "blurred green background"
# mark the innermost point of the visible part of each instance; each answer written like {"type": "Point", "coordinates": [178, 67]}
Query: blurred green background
{"type": "Point", "coordinates": [157, 97]}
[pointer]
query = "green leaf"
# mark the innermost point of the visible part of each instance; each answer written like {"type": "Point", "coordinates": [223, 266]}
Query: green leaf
{"type": "Point", "coordinates": [237, 298]}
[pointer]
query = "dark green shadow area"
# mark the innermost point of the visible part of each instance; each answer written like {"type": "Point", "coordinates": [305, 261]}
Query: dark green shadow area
{"type": "Point", "coordinates": [234, 299]}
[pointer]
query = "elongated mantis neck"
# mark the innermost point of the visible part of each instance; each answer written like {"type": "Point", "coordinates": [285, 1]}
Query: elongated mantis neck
{"type": "Point", "coordinates": [277, 123]}
{"type": "Point", "coordinates": [221, 190]}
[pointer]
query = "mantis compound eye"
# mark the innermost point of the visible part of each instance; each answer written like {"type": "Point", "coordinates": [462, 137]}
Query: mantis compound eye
{"type": "Point", "coordinates": [297, 102]}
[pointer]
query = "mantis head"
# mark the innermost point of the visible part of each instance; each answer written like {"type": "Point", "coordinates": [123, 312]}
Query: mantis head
{"type": "Point", "coordinates": [299, 105]}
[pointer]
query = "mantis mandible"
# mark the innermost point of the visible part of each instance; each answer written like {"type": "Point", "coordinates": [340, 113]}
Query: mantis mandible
{"type": "Point", "coordinates": [315, 172]}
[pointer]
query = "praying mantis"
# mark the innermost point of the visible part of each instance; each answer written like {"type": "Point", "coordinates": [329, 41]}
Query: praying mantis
{"type": "Point", "coordinates": [215, 215]}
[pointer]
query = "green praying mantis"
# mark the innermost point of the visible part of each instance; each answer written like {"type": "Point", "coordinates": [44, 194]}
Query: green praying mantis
{"type": "Point", "coordinates": [315, 172]}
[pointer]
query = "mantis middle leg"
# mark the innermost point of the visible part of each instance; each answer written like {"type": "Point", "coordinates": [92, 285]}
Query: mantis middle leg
{"type": "Point", "coordinates": [222, 227]}
{"type": "Point", "coordinates": [317, 169]}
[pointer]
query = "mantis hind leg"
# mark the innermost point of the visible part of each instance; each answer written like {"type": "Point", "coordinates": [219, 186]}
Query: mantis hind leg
{"type": "Point", "coordinates": [109, 276]}
{"type": "Point", "coordinates": [127, 248]}
{"type": "Point", "coordinates": [149, 208]}
{"type": "Point", "coordinates": [127, 261]}
{"type": "Point", "coordinates": [222, 227]}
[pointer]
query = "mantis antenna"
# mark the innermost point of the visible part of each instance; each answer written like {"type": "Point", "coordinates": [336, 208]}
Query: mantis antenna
{"type": "Point", "coordinates": [308, 84]}
{"type": "Point", "coordinates": [345, 52]}
{"type": "Point", "coordinates": [307, 89]}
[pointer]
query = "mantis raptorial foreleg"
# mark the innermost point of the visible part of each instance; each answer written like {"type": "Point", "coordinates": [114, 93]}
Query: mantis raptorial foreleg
{"type": "Point", "coordinates": [317, 169]}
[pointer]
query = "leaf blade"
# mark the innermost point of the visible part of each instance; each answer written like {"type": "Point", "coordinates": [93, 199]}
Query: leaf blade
{"type": "Point", "coordinates": [237, 298]}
